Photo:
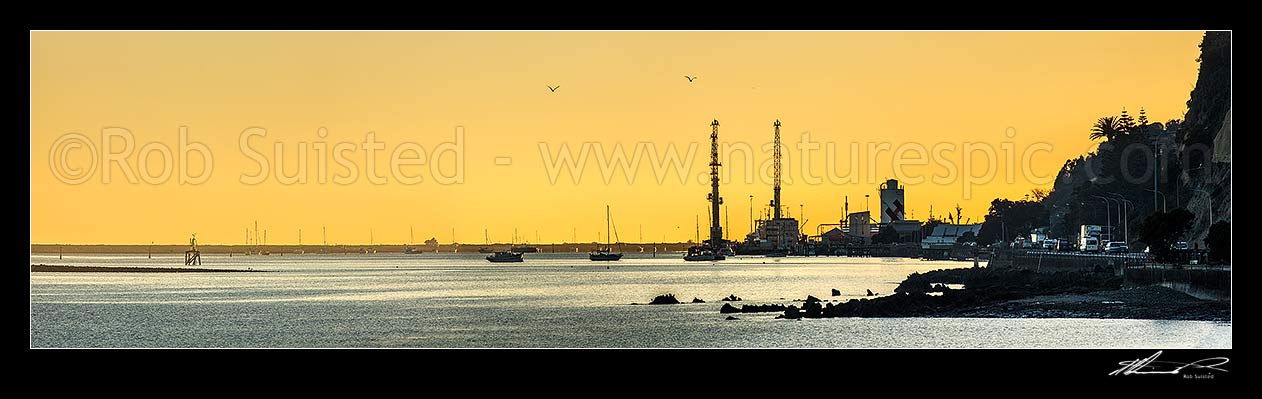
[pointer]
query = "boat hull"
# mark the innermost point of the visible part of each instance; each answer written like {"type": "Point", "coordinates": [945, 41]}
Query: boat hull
{"type": "Point", "coordinates": [703, 258]}
{"type": "Point", "coordinates": [503, 260]}
{"type": "Point", "coordinates": [604, 256]}
{"type": "Point", "coordinates": [502, 257]}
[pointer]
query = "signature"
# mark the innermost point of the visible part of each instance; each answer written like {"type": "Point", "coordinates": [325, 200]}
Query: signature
{"type": "Point", "coordinates": [1150, 365]}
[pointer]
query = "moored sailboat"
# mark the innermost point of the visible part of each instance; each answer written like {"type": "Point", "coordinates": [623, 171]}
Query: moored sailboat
{"type": "Point", "coordinates": [606, 253]}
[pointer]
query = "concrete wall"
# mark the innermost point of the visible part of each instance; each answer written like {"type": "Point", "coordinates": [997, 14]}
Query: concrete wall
{"type": "Point", "coordinates": [1204, 282]}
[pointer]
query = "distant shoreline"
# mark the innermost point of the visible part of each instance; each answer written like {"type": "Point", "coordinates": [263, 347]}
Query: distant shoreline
{"type": "Point", "coordinates": [115, 269]}
{"type": "Point", "coordinates": [178, 249]}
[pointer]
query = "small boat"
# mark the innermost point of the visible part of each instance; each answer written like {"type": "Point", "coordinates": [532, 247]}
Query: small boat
{"type": "Point", "coordinates": [505, 256]}
{"type": "Point", "coordinates": [606, 253]}
{"type": "Point", "coordinates": [524, 248]}
{"type": "Point", "coordinates": [485, 250]}
{"type": "Point", "coordinates": [409, 249]}
{"type": "Point", "coordinates": [702, 253]}
{"type": "Point", "coordinates": [776, 254]}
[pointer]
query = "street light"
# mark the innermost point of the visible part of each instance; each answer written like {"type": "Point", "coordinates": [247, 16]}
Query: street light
{"type": "Point", "coordinates": [1108, 220]}
{"type": "Point", "coordinates": [1163, 199]}
{"type": "Point", "coordinates": [1126, 225]}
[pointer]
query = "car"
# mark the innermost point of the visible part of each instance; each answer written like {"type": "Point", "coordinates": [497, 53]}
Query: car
{"type": "Point", "coordinates": [1116, 247]}
{"type": "Point", "coordinates": [1180, 246]}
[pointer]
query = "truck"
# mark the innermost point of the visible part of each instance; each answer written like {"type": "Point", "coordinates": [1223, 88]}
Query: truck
{"type": "Point", "coordinates": [1038, 237]}
{"type": "Point", "coordinates": [1089, 238]}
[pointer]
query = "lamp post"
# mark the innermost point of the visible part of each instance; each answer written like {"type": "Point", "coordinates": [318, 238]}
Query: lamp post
{"type": "Point", "coordinates": [1127, 217]}
{"type": "Point", "coordinates": [1163, 200]}
{"type": "Point", "coordinates": [1108, 220]}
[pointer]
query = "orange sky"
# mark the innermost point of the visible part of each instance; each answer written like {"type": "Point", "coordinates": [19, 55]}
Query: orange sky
{"type": "Point", "coordinates": [1031, 94]}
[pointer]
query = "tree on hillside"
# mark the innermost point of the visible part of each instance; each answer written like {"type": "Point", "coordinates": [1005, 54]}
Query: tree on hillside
{"type": "Point", "coordinates": [1161, 229]}
{"type": "Point", "coordinates": [1126, 122]}
{"type": "Point", "coordinates": [1107, 128]}
{"type": "Point", "coordinates": [1039, 194]}
{"type": "Point", "coordinates": [1009, 219]}
{"type": "Point", "coordinates": [1219, 243]}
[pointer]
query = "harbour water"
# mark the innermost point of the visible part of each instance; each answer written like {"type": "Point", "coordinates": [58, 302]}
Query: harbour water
{"type": "Point", "coordinates": [552, 300]}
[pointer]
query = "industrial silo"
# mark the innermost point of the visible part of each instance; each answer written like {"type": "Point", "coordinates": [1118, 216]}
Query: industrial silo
{"type": "Point", "coordinates": [892, 203]}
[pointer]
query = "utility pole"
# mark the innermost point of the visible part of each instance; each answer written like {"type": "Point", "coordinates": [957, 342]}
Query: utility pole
{"type": "Point", "coordinates": [1107, 219]}
{"type": "Point", "coordinates": [1154, 201]}
{"type": "Point", "coordinates": [1126, 216]}
{"type": "Point", "coordinates": [1156, 145]}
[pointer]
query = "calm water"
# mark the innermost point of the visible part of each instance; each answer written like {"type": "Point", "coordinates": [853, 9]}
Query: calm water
{"type": "Point", "coordinates": [551, 300]}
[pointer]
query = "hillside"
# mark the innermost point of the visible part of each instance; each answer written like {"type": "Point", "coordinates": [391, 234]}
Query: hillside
{"type": "Point", "coordinates": [1194, 167]}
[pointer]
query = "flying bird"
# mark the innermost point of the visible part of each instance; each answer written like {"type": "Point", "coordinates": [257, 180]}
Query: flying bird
{"type": "Point", "coordinates": [554, 89]}
{"type": "Point", "coordinates": [690, 78]}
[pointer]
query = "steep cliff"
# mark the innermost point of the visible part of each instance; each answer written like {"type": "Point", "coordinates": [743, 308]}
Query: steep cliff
{"type": "Point", "coordinates": [1195, 162]}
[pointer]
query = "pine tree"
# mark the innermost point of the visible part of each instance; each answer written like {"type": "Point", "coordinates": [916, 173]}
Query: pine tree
{"type": "Point", "coordinates": [1127, 123]}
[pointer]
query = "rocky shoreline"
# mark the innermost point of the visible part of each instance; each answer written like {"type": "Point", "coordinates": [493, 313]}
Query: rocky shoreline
{"type": "Point", "coordinates": [1010, 293]}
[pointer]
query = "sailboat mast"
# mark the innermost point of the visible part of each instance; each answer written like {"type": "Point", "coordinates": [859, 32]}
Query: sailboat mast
{"type": "Point", "coordinates": [607, 238]}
